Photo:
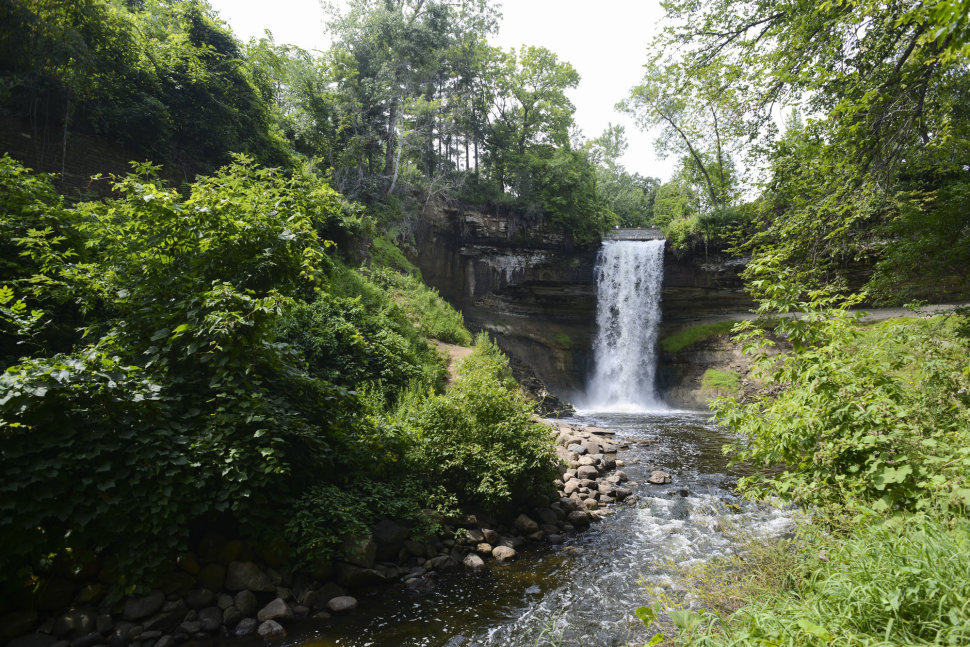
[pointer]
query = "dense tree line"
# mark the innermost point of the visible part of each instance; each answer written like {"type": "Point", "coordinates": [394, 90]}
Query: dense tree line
{"type": "Point", "coordinates": [873, 161]}
{"type": "Point", "coordinates": [410, 100]}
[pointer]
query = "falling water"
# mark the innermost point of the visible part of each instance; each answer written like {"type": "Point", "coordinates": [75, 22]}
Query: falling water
{"type": "Point", "coordinates": [629, 274]}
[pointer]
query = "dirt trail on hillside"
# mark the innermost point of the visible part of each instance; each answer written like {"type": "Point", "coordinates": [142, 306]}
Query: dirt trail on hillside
{"type": "Point", "coordinates": [453, 353]}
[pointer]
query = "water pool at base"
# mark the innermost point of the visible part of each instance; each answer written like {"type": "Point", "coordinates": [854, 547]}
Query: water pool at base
{"type": "Point", "coordinates": [584, 591]}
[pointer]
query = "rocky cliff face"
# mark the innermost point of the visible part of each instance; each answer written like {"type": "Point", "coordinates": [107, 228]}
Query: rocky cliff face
{"type": "Point", "coordinates": [522, 281]}
{"type": "Point", "coordinates": [526, 284]}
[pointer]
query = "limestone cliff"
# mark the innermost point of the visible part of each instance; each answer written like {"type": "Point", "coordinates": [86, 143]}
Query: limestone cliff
{"type": "Point", "coordinates": [529, 286]}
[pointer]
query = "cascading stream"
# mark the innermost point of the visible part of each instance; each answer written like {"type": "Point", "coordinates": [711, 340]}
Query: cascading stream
{"type": "Point", "coordinates": [629, 275]}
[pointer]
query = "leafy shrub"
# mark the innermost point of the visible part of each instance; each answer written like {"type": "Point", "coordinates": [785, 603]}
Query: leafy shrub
{"type": "Point", "coordinates": [347, 345]}
{"type": "Point", "coordinates": [328, 513]}
{"type": "Point", "coordinates": [183, 402]}
{"type": "Point", "coordinates": [877, 414]}
{"type": "Point", "coordinates": [478, 439]}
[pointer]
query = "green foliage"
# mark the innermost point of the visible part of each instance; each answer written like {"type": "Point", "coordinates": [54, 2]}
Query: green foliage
{"type": "Point", "coordinates": [723, 382]}
{"type": "Point", "coordinates": [386, 254]}
{"type": "Point", "coordinates": [689, 336]}
{"type": "Point", "coordinates": [564, 341]}
{"type": "Point", "coordinates": [424, 307]}
{"type": "Point", "coordinates": [328, 513]}
{"type": "Point", "coordinates": [900, 581]}
{"type": "Point", "coordinates": [345, 344]}
{"type": "Point", "coordinates": [561, 183]}
{"type": "Point", "coordinates": [181, 398]}
{"type": "Point", "coordinates": [478, 439]}
{"type": "Point", "coordinates": [877, 414]}
{"type": "Point", "coordinates": [165, 79]}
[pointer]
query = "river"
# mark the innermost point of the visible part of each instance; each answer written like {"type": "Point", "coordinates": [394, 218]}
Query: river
{"type": "Point", "coordinates": [584, 591]}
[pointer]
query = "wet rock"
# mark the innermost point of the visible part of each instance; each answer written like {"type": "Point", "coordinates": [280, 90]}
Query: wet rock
{"type": "Point", "coordinates": [491, 536]}
{"type": "Point", "coordinates": [579, 518]}
{"type": "Point", "coordinates": [200, 598]}
{"type": "Point", "coordinates": [212, 576]}
{"type": "Point", "coordinates": [137, 608]}
{"type": "Point", "coordinates": [246, 627]}
{"type": "Point", "coordinates": [525, 524]}
{"type": "Point", "coordinates": [231, 616]}
{"type": "Point", "coordinates": [33, 640]}
{"type": "Point", "coordinates": [473, 536]}
{"type": "Point", "coordinates": [354, 577]}
{"type": "Point", "coordinates": [89, 640]}
{"type": "Point", "coordinates": [248, 576]}
{"type": "Point", "coordinates": [415, 548]}
{"type": "Point", "coordinates": [389, 538]}
{"type": "Point", "coordinates": [271, 629]}
{"type": "Point", "coordinates": [168, 618]}
{"type": "Point", "coordinates": [473, 562]}
{"type": "Point", "coordinates": [278, 609]}
{"type": "Point", "coordinates": [342, 604]}
{"type": "Point", "coordinates": [104, 623]}
{"type": "Point", "coordinates": [621, 493]}
{"type": "Point", "coordinates": [245, 601]}
{"type": "Point", "coordinates": [165, 641]}
{"type": "Point", "coordinates": [659, 478]}
{"type": "Point", "coordinates": [503, 553]}
{"type": "Point", "coordinates": [554, 538]}
{"type": "Point", "coordinates": [75, 623]}
{"type": "Point", "coordinates": [360, 550]}
{"type": "Point", "coordinates": [210, 618]}
{"type": "Point", "coordinates": [441, 562]}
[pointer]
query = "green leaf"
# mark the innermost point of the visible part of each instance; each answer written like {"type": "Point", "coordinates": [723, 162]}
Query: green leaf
{"type": "Point", "coordinates": [647, 615]}
{"type": "Point", "coordinates": [814, 629]}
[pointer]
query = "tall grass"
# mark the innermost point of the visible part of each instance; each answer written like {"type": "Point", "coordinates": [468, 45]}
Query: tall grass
{"type": "Point", "coordinates": [897, 581]}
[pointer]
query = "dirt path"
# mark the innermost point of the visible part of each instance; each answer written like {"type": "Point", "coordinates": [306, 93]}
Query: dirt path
{"type": "Point", "coordinates": [452, 353]}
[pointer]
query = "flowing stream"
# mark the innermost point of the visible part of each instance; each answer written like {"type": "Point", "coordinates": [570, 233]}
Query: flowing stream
{"type": "Point", "coordinates": [584, 592]}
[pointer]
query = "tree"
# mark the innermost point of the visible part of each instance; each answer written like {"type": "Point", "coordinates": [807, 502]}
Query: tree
{"type": "Point", "coordinates": [530, 109]}
{"type": "Point", "coordinates": [882, 87]}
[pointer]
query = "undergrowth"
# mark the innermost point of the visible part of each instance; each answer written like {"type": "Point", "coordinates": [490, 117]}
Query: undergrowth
{"type": "Point", "coordinates": [883, 582]}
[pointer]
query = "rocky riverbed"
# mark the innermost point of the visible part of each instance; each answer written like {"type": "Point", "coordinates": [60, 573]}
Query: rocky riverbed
{"type": "Point", "coordinates": [224, 589]}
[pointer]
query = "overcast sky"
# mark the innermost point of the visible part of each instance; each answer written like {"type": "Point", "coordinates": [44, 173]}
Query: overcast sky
{"type": "Point", "coordinates": [606, 41]}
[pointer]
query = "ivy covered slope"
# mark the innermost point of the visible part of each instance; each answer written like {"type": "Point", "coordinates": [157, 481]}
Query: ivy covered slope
{"type": "Point", "coordinates": [171, 359]}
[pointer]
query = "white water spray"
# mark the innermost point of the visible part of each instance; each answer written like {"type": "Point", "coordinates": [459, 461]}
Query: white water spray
{"type": "Point", "coordinates": [629, 274]}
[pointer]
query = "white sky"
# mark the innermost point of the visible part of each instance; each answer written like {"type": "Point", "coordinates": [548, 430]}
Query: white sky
{"type": "Point", "coordinates": [606, 41]}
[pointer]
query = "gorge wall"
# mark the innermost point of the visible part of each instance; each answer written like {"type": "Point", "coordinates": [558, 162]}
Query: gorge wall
{"type": "Point", "coordinates": [533, 290]}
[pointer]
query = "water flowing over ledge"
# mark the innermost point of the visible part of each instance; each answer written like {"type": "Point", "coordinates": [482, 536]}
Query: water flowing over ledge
{"type": "Point", "coordinates": [629, 275]}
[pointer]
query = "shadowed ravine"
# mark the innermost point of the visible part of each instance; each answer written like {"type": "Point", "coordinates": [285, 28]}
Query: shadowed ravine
{"type": "Point", "coordinates": [584, 591]}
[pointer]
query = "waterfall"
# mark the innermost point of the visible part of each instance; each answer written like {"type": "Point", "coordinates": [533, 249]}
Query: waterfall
{"type": "Point", "coordinates": [628, 278]}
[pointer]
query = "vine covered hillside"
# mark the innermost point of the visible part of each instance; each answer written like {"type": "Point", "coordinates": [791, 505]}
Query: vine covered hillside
{"type": "Point", "coordinates": [175, 359]}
